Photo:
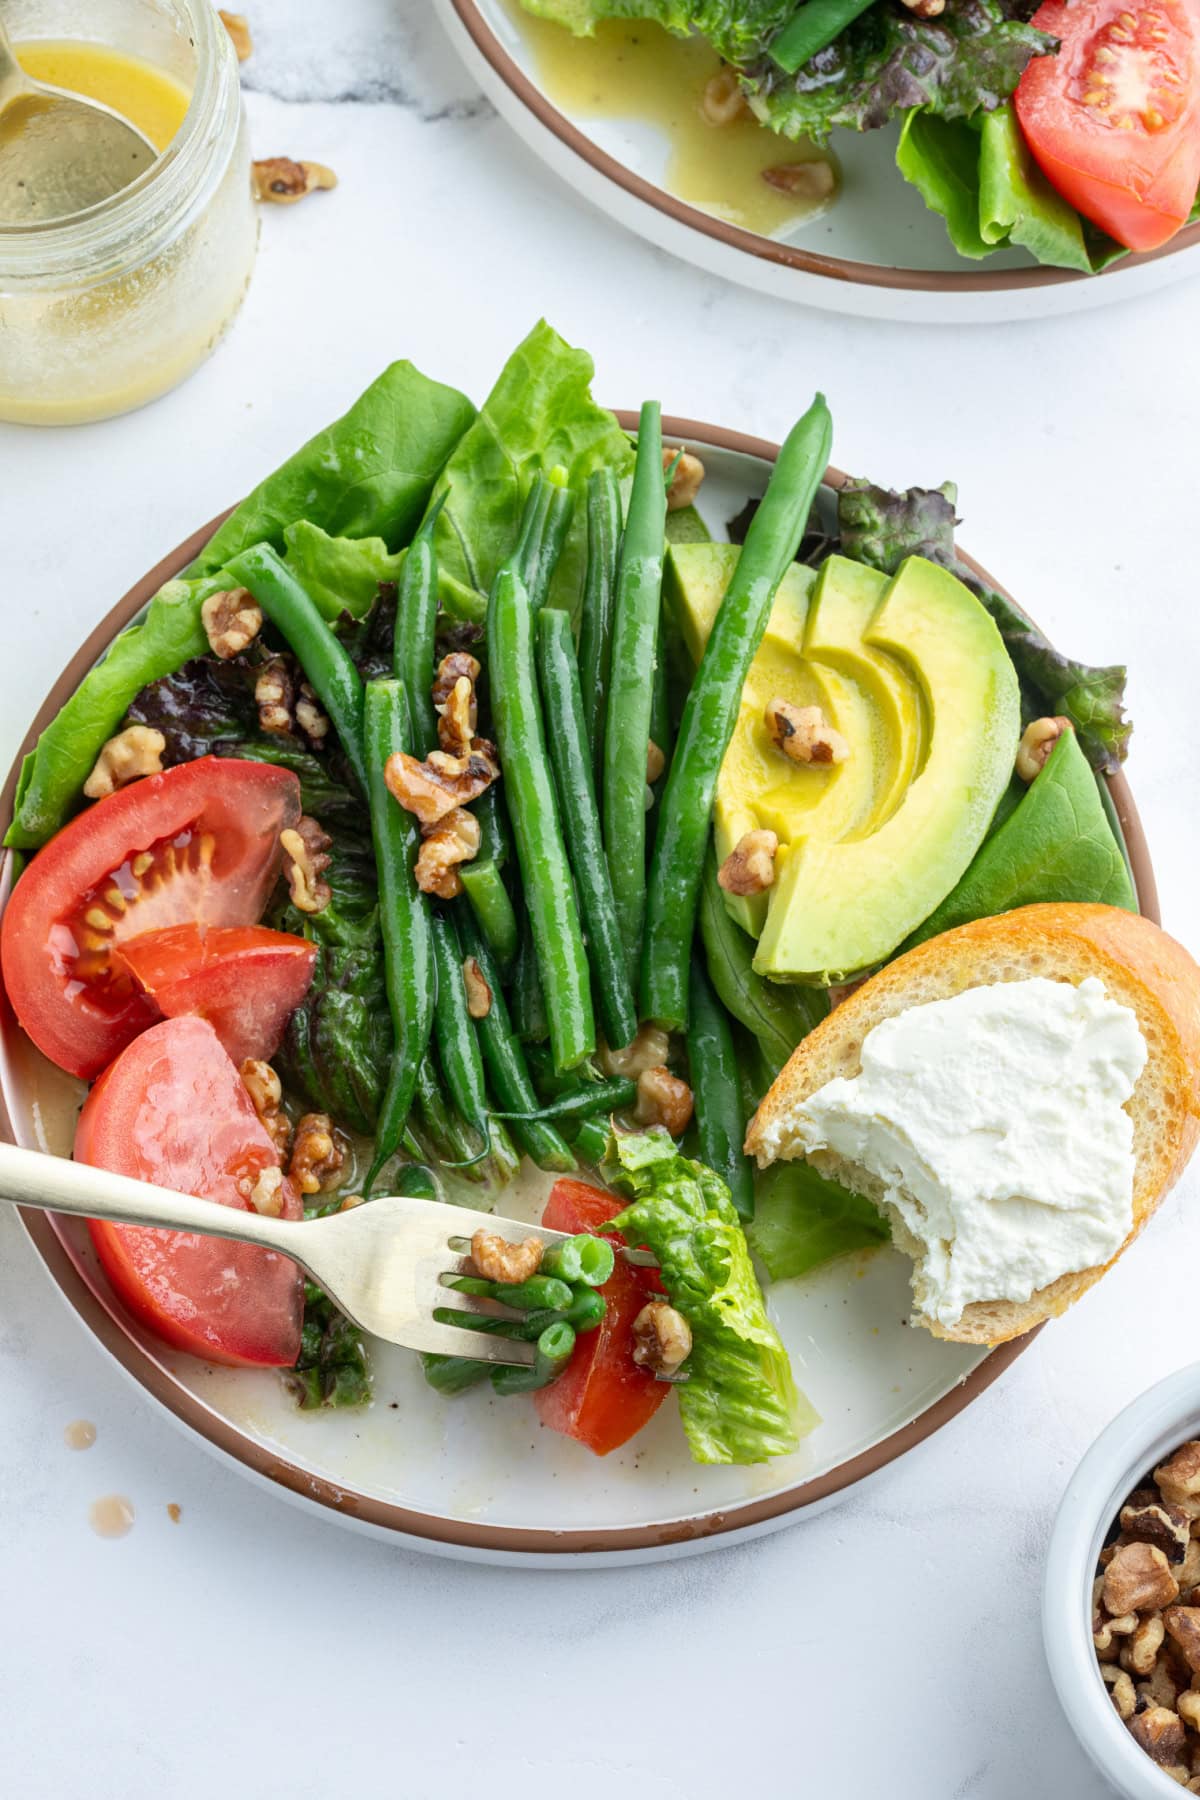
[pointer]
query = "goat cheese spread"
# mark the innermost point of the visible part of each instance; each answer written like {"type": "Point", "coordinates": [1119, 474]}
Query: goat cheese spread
{"type": "Point", "coordinates": [995, 1124]}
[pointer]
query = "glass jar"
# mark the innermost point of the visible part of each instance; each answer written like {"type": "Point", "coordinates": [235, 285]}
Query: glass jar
{"type": "Point", "coordinates": [107, 309]}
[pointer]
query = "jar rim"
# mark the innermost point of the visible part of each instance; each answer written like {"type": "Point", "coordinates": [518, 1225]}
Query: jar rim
{"type": "Point", "coordinates": [80, 241]}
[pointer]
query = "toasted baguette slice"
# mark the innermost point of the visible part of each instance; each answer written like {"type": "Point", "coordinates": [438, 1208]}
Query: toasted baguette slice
{"type": "Point", "coordinates": [1140, 966]}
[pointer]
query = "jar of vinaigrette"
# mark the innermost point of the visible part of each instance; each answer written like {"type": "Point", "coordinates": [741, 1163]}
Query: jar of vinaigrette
{"type": "Point", "coordinates": [106, 309]}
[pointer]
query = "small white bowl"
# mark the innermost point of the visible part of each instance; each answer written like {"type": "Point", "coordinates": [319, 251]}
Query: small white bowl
{"type": "Point", "coordinates": [1137, 1440]}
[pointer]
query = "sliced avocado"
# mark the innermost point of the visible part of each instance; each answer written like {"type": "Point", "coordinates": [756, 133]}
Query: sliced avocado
{"type": "Point", "coordinates": [840, 907]}
{"type": "Point", "coordinates": [1056, 844]}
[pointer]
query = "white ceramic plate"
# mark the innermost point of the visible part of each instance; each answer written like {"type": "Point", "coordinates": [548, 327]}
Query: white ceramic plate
{"type": "Point", "coordinates": [877, 253]}
{"type": "Point", "coordinates": [477, 1476]}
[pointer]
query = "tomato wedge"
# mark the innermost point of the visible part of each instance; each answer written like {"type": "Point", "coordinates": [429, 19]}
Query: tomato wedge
{"type": "Point", "coordinates": [1114, 118]}
{"type": "Point", "coordinates": [173, 1110]}
{"type": "Point", "coordinates": [198, 844]}
{"type": "Point", "coordinates": [245, 980]}
{"type": "Point", "coordinates": [602, 1397]}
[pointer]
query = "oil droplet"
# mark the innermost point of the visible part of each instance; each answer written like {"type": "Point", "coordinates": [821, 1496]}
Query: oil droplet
{"type": "Point", "coordinates": [111, 1516]}
{"type": "Point", "coordinates": [174, 1511]}
{"type": "Point", "coordinates": [80, 1434]}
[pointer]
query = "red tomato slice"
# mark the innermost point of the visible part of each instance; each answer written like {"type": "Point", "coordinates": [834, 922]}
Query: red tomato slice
{"type": "Point", "coordinates": [602, 1397]}
{"type": "Point", "coordinates": [173, 1110]}
{"type": "Point", "coordinates": [1114, 118]}
{"type": "Point", "coordinates": [198, 844]}
{"type": "Point", "coordinates": [245, 980]}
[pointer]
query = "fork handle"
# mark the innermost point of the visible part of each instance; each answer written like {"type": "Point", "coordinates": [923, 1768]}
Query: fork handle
{"type": "Point", "coordinates": [29, 1178]}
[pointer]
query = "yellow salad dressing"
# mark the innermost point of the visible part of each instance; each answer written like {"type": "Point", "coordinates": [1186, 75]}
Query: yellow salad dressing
{"type": "Point", "coordinates": [148, 97]}
{"type": "Point", "coordinates": [639, 71]}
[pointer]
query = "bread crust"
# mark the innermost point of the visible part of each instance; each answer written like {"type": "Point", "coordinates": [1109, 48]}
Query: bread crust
{"type": "Point", "coordinates": [1141, 967]}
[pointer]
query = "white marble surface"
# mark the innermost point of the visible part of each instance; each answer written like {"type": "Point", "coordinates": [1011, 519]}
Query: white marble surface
{"type": "Point", "coordinates": [888, 1647]}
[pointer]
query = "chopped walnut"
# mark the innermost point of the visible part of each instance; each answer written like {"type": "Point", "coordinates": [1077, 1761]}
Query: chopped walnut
{"type": "Point", "coordinates": [318, 1161]}
{"type": "Point", "coordinates": [662, 1338]}
{"type": "Point", "coordinates": [1138, 1577]}
{"type": "Point", "coordinates": [1124, 1695]}
{"type": "Point", "coordinates": [750, 866]}
{"type": "Point", "coordinates": [656, 762]}
{"type": "Point", "coordinates": [498, 1259]}
{"type": "Point", "coordinates": [1141, 1651]}
{"type": "Point", "coordinates": [457, 719]}
{"type": "Point", "coordinates": [1179, 1476]}
{"type": "Point", "coordinates": [813, 180]}
{"type": "Point", "coordinates": [273, 697]}
{"type": "Point", "coordinates": [1160, 1687]}
{"type": "Point", "coordinates": [305, 858]}
{"type": "Point", "coordinates": [133, 753]}
{"type": "Point", "coordinates": [723, 100]}
{"type": "Point", "coordinates": [804, 734]}
{"type": "Point", "coordinates": [1146, 1520]}
{"type": "Point", "coordinates": [1183, 1624]}
{"type": "Point", "coordinates": [431, 789]}
{"type": "Point", "coordinates": [266, 1093]}
{"type": "Point", "coordinates": [232, 620]}
{"type": "Point", "coordinates": [239, 30]}
{"type": "Point", "coordinates": [1111, 1633]}
{"type": "Point", "coordinates": [648, 1049]}
{"type": "Point", "coordinates": [1160, 1733]}
{"type": "Point", "coordinates": [458, 666]}
{"type": "Point", "coordinates": [662, 1099]}
{"type": "Point", "coordinates": [687, 480]}
{"type": "Point", "coordinates": [283, 182]}
{"type": "Point", "coordinates": [926, 9]}
{"type": "Point", "coordinates": [1037, 741]}
{"type": "Point", "coordinates": [456, 840]}
{"type": "Point", "coordinates": [479, 994]}
{"type": "Point", "coordinates": [310, 718]}
{"type": "Point", "coordinates": [265, 1194]}
{"type": "Point", "coordinates": [1187, 1573]}
{"type": "Point", "coordinates": [1188, 1708]}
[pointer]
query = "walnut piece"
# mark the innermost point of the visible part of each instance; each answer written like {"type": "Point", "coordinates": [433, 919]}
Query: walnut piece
{"type": "Point", "coordinates": [1124, 1695]}
{"type": "Point", "coordinates": [133, 753]}
{"type": "Point", "coordinates": [656, 762]}
{"type": "Point", "coordinates": [431, 789]}
{"type": "Point", "coordinates": [723, 100]}
{"type": "Point", "coordinates": [648, 1049]}
{"type": "Point", "coordinates": [750, 866]}
{"type": "Point", "coordinates": [283, 182]}
{"type": "Point", "coordinates": [1037, 741]}
{"type": "Point", "coordinates": [1161, 1734]}
{"type": "Point", "coordinates": [457, 719]}
{"type": "Point", "coordinates": [305, 858]}
{"type": "Point", "coordinates": [498, 1259]}
{"type": "Point", "coordinates": [1183, 1624]}
{"type": "Point", "coordinates": [310, 718]}
{"type": "Point", "coordinates": [813, 180]}
{"type": "Point", "coordinates": [232, 620]}
{"type": "Point", "coordinates": [662, 1338]}
{"type": "Point", "coordinates": [265, 1194]}
{"type": "Point", "coordinates": [456, 840]}
{"type": "Point", "coordinates": [273, 697]}
{"type": "Point", "coordinates": [458, 666]}
{"type": "Point", "coordinates": [266, 1094]}
{"type": "Point", "coordinates": [926, 9]}
{"type": "Point", "coordinates": [662, 1099]}
{"type": "Point", "coordinates": [239, 30]}
{"type": "Point", "coordinates": [687, 480]}
{"type": "Point", "coordinates": [804, 734]}
{"type": "Point", "coordinates": [1188, 1708]}
{"type": "Point", "coordinates": [1138, 1577]}
{"type": "Point", "coordinates": [318, 1161]}
{"type": "Point", "coordinates": [1141, 1651]}
{"type": "Point", "coordinates": [1151, 1521]}
{"type": "Point", "coordinates": [1111, 1633]}
{"type": "Point", "coordinates": [1179, 1476]}
{"type": "Point", "coordinates": [479, 994]}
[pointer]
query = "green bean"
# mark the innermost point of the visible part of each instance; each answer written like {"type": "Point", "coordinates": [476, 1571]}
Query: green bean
{"type": "Point", "coordinates": [321, 654]}
{"type": "Point", "coordinates": [444, 1129]}
{"type": "Point", "coordinates": [776, 1016]}
{"type": "Point", "coordinates": [528, 1001]}
{"type": "Point", "coordinates": [592, 1140]}
{"type": "Point", "coordinates": [711, 711]}
{"type": "Point", "coordinates": [595, 623]}
{"type": "Point", "coordinates": [582, 1258]}
{"type": "Point", "coordinates": [811, 29]}
{"type": "Point", "coordinates": [494, 841]}
{"type": "Point", "coordinates": [720, 1120]}
{"type": "Point", "coordinates": [570, 758]}
{"type": "Point", "coordinates": [457, 1040]}
{"type": "Point", "coordinates": [484, 887]}
{"type": "Point", "coordinates": [532, 1295]}
{"type": "Point", "coordinates": [533, 810]}
{"type": "Point", "coordinates": [585, 1313]}
{"type": "Point", "coordinates": [544, 528]}
{"type": "Point", "coordinates": [414, 645]}
{"type": "Point", "coordinates": [506, 1065]}
{"type": "Point", "coordinates": [403, 919]}
{"type": "Point", "coordinates": [554, 1348]}
{"type": "Point", "coordinates": [660, 712]}
{"type": "Point", "coordinates": [453, 1374]}
{"type": "Point", "coordinates": [630, 696]}
{"type": "Point", "coordinates": [580, 1102]}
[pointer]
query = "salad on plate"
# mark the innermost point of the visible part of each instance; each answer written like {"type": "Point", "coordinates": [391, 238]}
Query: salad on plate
{"type": "Point", "coordinates": [469, 815]}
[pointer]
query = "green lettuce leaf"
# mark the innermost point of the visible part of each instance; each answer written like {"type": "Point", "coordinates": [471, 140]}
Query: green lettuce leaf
{"type": "Point", "coordinates": [370, 473]}
{"type": "Point", "coordinates": [802, 1220]}
{"type": "Point", "coordinates": [880, 527]}
{"type": "Point", "coordinates": [969, 59]}
{"type": "Point", "coordinates": [940, 158]}
{"type": "Point", "coordinates": [740, 1403]}
{"type": "Point", "coordinates": [735, 28]}
{"type": "Point", "coordinates": [539, 416]}
{"type": "Point", "coordinates": [1055, 845]}
{"type": "Point", "coordinates": [342, 574]}
{"type": "Point", "coordinates": [776, 1016]}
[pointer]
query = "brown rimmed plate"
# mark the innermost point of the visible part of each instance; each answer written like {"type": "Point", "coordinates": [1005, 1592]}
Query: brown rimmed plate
{"type": "Point", "coordinates": [876, 253]}
{"type": "Point", "coordinates": [477, 1477]}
